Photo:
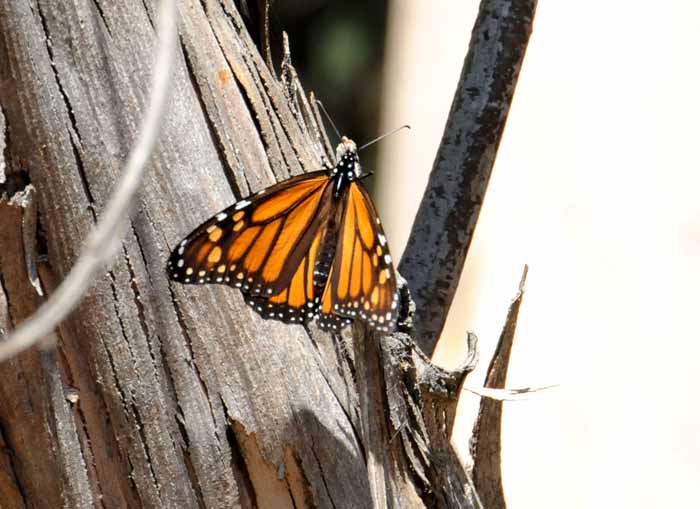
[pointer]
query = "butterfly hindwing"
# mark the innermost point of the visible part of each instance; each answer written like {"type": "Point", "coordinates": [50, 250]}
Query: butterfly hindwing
{"type": "Point", "coordinates": [266, 245]}
{"type": "Point", "coordinates": [362, 280]}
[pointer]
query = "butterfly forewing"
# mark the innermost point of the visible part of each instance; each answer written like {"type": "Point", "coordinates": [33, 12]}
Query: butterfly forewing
{"type": "Point", "coordinates": [362, 280]}
{"type": "Point", "coordinates": [263, 245]}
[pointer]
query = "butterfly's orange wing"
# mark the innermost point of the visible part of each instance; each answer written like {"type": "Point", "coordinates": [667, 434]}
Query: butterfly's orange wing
{"type": "Point", "coordinates": [362, 280]}
{"type": "Point", "coordinates": [266, 245]}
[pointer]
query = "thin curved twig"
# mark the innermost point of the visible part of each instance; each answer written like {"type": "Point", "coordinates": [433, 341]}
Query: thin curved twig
{"type": "Point", "coordinates": [102, 243]}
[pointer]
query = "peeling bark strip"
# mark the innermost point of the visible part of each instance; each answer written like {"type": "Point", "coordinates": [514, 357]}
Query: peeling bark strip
{"type": "Point", "coordinates": [485, 447]}
{"type": "Point", "coordinates": [445, 223]}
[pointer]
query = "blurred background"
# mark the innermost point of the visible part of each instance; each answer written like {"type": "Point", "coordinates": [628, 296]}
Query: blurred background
{"type": "Point", "coordinates": [595, 187]}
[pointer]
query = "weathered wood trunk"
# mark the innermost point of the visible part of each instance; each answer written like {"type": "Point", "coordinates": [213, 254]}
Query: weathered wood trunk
{"type": "Point", "coordinates": [157, 395]}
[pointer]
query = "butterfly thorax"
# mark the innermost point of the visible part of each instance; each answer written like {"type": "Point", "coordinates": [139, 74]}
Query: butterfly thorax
{"type": "Point", "coordinates": [347, 167]}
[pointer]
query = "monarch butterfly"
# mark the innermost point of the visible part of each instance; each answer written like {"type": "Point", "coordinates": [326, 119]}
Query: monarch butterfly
{"type": "Point", "coordinates": [309, 247]}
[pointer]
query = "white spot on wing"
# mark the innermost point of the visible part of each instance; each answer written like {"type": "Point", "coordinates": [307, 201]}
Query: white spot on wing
{"type": "Point", "coordinates": [241, 204]}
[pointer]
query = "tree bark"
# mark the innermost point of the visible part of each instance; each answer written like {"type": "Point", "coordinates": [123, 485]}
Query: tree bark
{"type": "Point", "coordinates": [157, 395]}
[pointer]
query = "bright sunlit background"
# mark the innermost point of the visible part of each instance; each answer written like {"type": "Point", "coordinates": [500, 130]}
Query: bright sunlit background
{"type": "Point", "coordinates": [596, 187]}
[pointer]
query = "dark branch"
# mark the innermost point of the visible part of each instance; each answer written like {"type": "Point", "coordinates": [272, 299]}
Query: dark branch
{"type": "Point", "coordinates": [445, 223]}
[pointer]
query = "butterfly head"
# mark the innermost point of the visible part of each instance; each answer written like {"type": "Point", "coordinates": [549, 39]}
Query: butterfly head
{"type": "Point", "coordinates": [348, 163]}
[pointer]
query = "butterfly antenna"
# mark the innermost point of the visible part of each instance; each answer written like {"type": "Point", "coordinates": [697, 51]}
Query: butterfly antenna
{"type": "Point", "coordinates": [384, 136]}
{"type": "Point", "coordinates": [323, 109]}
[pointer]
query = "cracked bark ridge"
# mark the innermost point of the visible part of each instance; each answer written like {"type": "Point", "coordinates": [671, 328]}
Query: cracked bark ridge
{"type": "Point", "coordinates": [485, 444]}
{"type": "Point", "coordinates": [306, 111]}
{"type": "Point", "coordinates": [421, 401]}
{"type": "Point", "coordinates": [384, 412]}
{"type": "Point", "coordinates": [10, 491]}
{"type": "Point", "coordinates": [256, 14]}
{"type": "Point", "coordinates": [3, 144]}
{"type": "Point", "coordinates": [448, 213]}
